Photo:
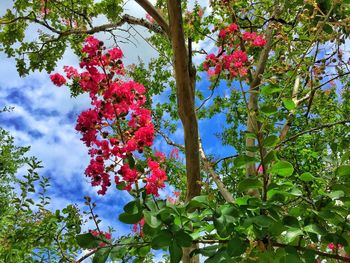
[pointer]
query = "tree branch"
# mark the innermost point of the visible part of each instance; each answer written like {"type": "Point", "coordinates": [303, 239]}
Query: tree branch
{"type": "Point", "coordinates": [287, 125]}
{"type": "Point", "coordinates": [152, 11]}
{"type": "Point", "coordinates": [75, 31]}
{"type": "Point", "coordinates": [206, 165]}
{"type": "Point", "coordinates": [320, 253]}
{"type": "Point", "coordinates": [327, 125]}
{"type": "Point", "coordinates": [252, 123]}
{"type": "Point", "coordinates": [168, 140]}
{"type": "Point", "coordinates": [216, 178]}
{"type": "Point", "coordinates": [275, 244]}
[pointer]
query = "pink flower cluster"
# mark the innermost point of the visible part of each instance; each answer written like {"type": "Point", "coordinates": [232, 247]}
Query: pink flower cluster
{"type": "Point", "coordinates": [118, 124]}
{"type": "Point", "coordinates": [58, 79]}
{"type": "Point", "coordinates": [137, 228]}
{"type": "Point", "coordinates": [255, 39]}
{"type": "Point", "coordinates": [158, 175]}
{"type": "Point", "coordinates": [228, 31]}
{"type": "Point", "coordinates": [231, 60]}
{"type": "Point", "coordinates": [175, 199]}
{"type": "Point", "coordinates": [332, 246]}
{"type": "Point", "coordinates": [234, 64]}
{"type": "Point", "coordinates": [105, 235]}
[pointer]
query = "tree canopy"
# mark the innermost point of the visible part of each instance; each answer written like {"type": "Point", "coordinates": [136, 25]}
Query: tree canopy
{"type": "Point", "coordinates": [271, 78]}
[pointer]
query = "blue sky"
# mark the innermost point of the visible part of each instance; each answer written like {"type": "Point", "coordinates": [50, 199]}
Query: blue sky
{"type": "Point", "coordinates": [44, 118]}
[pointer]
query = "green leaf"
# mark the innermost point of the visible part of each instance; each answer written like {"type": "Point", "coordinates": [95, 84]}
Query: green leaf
{"type": "Point", "coordinates": [151, 219]}
{"type": "Point", "coordinates": [313, 228]}
{"type": "Point", "coordinates": [336, 194]}
{"type": "Point", "coordinates": [271, 141]}
{"type": "Point", "coordinates": [268, 110]}
{"type": "Point", "coordinates": [250, 135]}
{"type": "Point", "coordinates": [167, 215]}
{"type": "Point", "coordinates": [198, 201]}
{"type": "Point", "coordinates": [296, 191]}
{"type": "Point", "coordinates": [87, 240]}
{"type": "Point", "coordinates": [130, 218]}
{"type": "Point", "coordinates": [175, 252]}
{"type": "Point", "coordinates": [290, 258]}
{"type": "Point", "coordinates": [291, 221]}
{"type": "Point", "coordinates": [118, 252]}
{"type": "Point", "coordinates": [282, 168]}
{"type": "Point", "coordinates": [243, 200]}
{"type": "Point", "coordinates": [121, 185]}
{"type": "Point", "coordinates": [249, 183]}
{"type": "Point", "coordinates": [309, 255]}
{"type": "Point", "coordinates": [263, 221]}
{"type": "Point", "coordinates": [219, 257]}
{"type": "Point", "coordinates": [131, 161]}
{"type": "Point", "coordinates": [236, 247]}
{"type": "Point", "coordinates": [242, 160]}
{"type": "Point", "coordinates": [292, 234]}
{"type": "Point", "coordinates": [307, 177]}
{"type": "Point", "coordinates": [132, 207]}
{"type": "Point", "coordinates": [163, 239]}
{"type": "Point", "coordinates": [343, 170]}
{"type": "Point", "coordinates": [222, 227]}
{"type": "Point", "coordinates": [143, 251]}
{"type": "Point", "coordinates": [183, 239]}
{"type": "Point", "coordinates": [206, 251]}
{"type": "Point", "coordinates": [268, 90]}
{"type": "Point", "coordinates": [101, 255]}
{"type": "Point", "coordinates": [328, 28]}
{"type": "Point", "coordinates": [289, 104]}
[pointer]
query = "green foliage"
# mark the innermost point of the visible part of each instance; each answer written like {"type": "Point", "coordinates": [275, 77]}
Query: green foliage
{"type": "Point", "coordinates": [288, 211]}
{"type": "Point", "coordinates": [29, 231]}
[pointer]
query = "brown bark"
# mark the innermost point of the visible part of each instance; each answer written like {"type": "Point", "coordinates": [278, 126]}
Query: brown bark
{"type": "Point", "coordinates": [185, 98]}
{"type": "Point", "coordinates": [153, 12]}
{"type": "Point", "coordinates": [185, 81]}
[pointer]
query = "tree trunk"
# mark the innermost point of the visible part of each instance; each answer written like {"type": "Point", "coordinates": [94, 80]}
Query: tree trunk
{"type": "Point", "coordinates": [185, 81]}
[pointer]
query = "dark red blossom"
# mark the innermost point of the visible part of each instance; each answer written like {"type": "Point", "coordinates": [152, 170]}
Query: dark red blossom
{"type": "Point", "coordinates": [58, 79]}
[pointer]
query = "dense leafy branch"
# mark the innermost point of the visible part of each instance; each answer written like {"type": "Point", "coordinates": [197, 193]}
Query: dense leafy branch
{"type": "Point", "coordinates": [314, 129]}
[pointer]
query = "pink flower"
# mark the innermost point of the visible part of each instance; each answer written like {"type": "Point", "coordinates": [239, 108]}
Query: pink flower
{"type": "Point", "coordinates": [118, 122]}
{"type": "Point", "coordinates": [71, 72]}
{"type": "Point", "coordinates": [331, 246]}
{"type": "Point", "coordinates": [200, 12]}
{"type": "Point", "coordinates": [248, 36]}
{"type": "Point", "coordinates": [115, 53]}
{"type": "Point", "coordinates": [149, 18]}
{"type": "Point", "coordinates": [58, 79]}
{"type": "Point", "coordinates": [232, 28]}
{"type": "Point", "coordinates": [222, 33]}
{"type": "Point", "coordinates": [108, 235]}
{"type": "Point", "coordinates": [160, 155]}
{"type": "Point", "coordinates": [137, 228]}
{"type": "Point", "coordinates": [174, 153]}
{"type": "Point", "coordinates": [259, 41]}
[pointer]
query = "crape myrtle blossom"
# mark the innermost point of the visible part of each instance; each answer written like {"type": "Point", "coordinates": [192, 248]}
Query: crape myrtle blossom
{"type": "Point", "coordinates": [102, 235]}
{"type": "Point", "coordinates": [118, 127]}
{"type": "Point", "coordinates": [58, 79]}
{"type": "Point", "coordinates": [231, 60]}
